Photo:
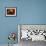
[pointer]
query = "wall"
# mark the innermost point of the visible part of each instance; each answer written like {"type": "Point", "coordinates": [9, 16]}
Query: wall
{"type": "Point", "coordinates": [28, 12]}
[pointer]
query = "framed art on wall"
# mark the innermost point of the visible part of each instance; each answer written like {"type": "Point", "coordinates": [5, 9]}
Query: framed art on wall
{"type": "Point", "coordinates": [10, 11]}
{"type": "Point", "coordinates": [33, 32]}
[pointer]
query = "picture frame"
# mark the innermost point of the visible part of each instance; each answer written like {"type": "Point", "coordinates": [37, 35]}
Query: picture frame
{"type": "Point", "coordinates": [37, 29]}
{"type": "Point", "coordinates": [10, 11]}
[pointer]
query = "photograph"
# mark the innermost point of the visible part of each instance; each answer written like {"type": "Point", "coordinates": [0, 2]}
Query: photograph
{"type": "Point", "coordinates": [10, 11]}
{"type": "Point", "coordinates": [31, 33]}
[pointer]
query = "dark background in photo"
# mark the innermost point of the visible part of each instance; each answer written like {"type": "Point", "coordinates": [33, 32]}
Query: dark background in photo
{"type": "Point", "coordinates": [10, 11]}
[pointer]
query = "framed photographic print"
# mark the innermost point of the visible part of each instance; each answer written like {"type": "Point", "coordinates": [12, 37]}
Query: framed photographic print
{"type": "Point", "coordinates": [10, 11]}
